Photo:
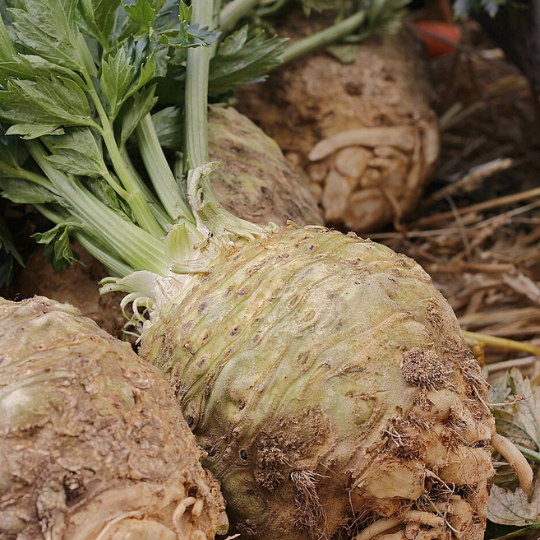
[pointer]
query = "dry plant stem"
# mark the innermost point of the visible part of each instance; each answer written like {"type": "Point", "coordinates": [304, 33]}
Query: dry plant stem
{"type": "Point", "coordinates": [475, 175]}
{"type": "Point", "coordinates": [509, 364]}
{"type": "Point", "coordinates": [487, 205]}
{"type": "Point", "coordinates": [451, 230]}
{"type": "Point", "coordinates": [470, 267]}
{"type": "Point", "coordinates": [515, 459]}
{"type": "Point", "coordinates": [502, 342]}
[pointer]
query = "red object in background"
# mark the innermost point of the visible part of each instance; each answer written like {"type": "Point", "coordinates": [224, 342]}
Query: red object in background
{"type": "Point", "coordinates": [439, 37]}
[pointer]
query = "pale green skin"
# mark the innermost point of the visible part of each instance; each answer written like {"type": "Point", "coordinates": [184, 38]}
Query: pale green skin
{"type": "Point", "coordinates": [91, 441]}
{"type": "Point", "coordinates": [287, 357]}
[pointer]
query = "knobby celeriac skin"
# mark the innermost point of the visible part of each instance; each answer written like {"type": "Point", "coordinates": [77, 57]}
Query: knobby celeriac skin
{"type": "Point", "coordinates": [330, 384]}
{"type": "Point", "coordinates": [255, 181]}
{"type": "Point", "coordinates": [92, 444]}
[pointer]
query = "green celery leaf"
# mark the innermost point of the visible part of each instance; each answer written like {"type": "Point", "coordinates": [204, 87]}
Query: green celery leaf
{"type": "Point", "coordinates": [106, 194]}
{"type": "Point", "coordinates": [33, 131]}
{"type": "Point", "coordinates": [77, 152]}
{"type": "Point", "coordinates": [117, 75]}
{"type": "Point", "coordinates": [238, 62]}
{"type": "Point", "coordinates": [189, 35]}
{"type": "Point", "coordinates": [169, 126]}
{"type": "Point", "coordinates": [8, 255]}
{"type": "Point", "coordinates": [57, 249]}
{"type": "Point", "coordinates": [146, 73]}
{"type": "Point", "coordinates": [135, 110]}
{"type": "Point", "coordinates": [386, 16]}
{"type": "Point", "coordinates": [24, 192]}
{"type": "Point", "coordinates": [47, 28]}
{"type": "Point", "coordinates": [55, 101]}
{"type": "Point", "coordinates": [149, 60]}
{"type": "Point", "coordinates": [184, 12]}
{"type": "Point", "coordinates": [233, 44]}
{"type": "Point", "coordinates": [507, 507]}
{"type": "Point", "coordinates": [100, 18]}
{"type": "Point", "coordinates": [7, 50]}
{"type": "Point", "coordinates": [28, 66]}
{"type": "Point", "coordinates": [143, 13]}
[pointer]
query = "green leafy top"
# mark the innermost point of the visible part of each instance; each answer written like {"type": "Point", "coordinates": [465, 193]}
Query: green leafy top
{"type": "Point", "coordinates": [80, 78]}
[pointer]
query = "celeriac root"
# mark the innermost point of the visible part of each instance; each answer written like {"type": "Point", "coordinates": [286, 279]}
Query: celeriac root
{"type": "Point", "coordinates": [92, 443]}
{"type": "Point", "coordinates": [367, 151]}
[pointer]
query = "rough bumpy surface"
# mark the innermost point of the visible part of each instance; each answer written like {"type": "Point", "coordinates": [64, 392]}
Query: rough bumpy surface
{"type": "Point", "coordinates": [330, 384]}
{"type": "Point", "coordinates": [256, 183]}
{"type": "Point", "coordinates": [362, 133]}
{"type": "Point", "coordinates": [92, 444]}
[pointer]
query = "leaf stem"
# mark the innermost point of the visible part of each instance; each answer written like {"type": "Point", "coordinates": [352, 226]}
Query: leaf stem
{"type": "Point", "coordinates": [23, 174]}
{"type": "Point", "coordinates": [324, 37]}
{"type": "Point", "coordinates": [160, 173]}
{"type": "Point", "coordinates": [134, 197]}
{"type": "Point", "coordinates": [155, 207]}
{"type": "Point", "coordinates": [233, 12]}
{"type": "Point", "coordinates": [198, 62]}
{"type": "Point", "coordinates": [136, 246]}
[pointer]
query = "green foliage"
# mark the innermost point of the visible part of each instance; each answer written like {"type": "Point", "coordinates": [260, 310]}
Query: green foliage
{"type": "Point", "coordinates": [143, 13]}
{"type": "Point", "coordinates": [168, 123]}
{"type": "Point", "coordinates": [57, 250]}
{"type": "Point", "coordinates": [240, 60]}
{"type": "Point", "coordinates": [135, 110]}
{"type": "Point", "coordinates": [48, 29]}
{"type": "Point", "coordinates": [77, 152]}
{"type": "Point", "coordinates": [23, 192]}
{"type": "Point", "coordinates": [117, 75]}
{"type": "Point", "coordinates": [56, 102]}
{"type": "Point", "coordinates": [100, 18]}
{"type": "Point", "coordinates": [106, 194]}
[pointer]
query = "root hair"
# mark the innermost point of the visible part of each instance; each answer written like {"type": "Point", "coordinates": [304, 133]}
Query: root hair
{"type": "Point", "coordinates": [310, 513]}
